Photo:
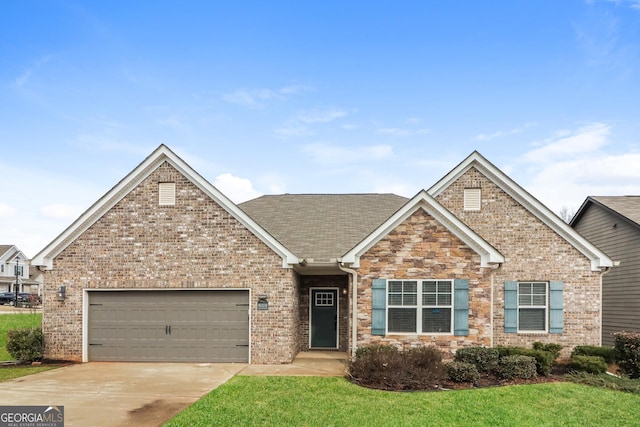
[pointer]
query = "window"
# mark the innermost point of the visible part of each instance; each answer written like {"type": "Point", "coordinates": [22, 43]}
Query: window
{"type": "Point", "coordinates": [532, 306]}
{"type": "Point", "coordinates": [420, 306]}
{"type": "Point", "coordinates": [324, 299]}
{"type": "Point", "coordinates": [167, 193]}
{"type": "Point", "coordinates": [17, 270]}
{"type": "Point", "coordinates": [472, 198]}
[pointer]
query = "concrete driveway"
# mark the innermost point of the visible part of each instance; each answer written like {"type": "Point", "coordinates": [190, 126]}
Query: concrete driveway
{"type": "Point", "coordinates": [119, 394]}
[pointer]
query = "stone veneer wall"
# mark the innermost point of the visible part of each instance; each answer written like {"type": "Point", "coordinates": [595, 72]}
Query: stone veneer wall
{"type": "Point", "coordinates": [308, 282]}
{"type": "Point", "coordinates": [194, 244]}
{"type": "Point", "coordinates": [532, 251]}
{"type": "Point", "coordinates": [422, 248]}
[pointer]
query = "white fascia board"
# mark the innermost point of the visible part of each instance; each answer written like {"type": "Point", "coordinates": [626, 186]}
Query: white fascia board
{"type": "Point", "coordinates": [598, 258]}
{"type": "Point", "coordinates": [488, 254]}
{"type": "Point", "coordinates": [132, 180]}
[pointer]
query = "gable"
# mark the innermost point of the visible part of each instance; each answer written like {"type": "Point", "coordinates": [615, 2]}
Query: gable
{"type": "Point", "coordinates": [422, 201]}
{"type": "Point", "coordinates": [166, 165]}
{"type": "Point", "coordinates": [476, 164]}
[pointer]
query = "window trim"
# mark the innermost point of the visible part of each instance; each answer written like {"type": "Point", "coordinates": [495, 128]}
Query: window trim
{"type": "Point", "coordinates": [419, 306]}
{"type": "Point", "coordinates": [546, 308]}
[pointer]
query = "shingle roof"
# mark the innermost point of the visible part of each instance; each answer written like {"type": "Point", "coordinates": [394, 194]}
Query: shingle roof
{"type": "Point", "coordinates": [627, 206]}
{"type": "Point", "coordinates": [4, 249]}
{"type": "Point", "coordinates": [321, 227]}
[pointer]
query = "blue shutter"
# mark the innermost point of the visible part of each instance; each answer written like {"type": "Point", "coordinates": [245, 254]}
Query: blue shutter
{"type": "Point", "coordinates": [511, 307]}
{"type": "Point", "coordinates": [556, 317]}
{"type": "Point", "coordinates": [379, 307]}
{"type": "Point", "coordinates": [461, 307]}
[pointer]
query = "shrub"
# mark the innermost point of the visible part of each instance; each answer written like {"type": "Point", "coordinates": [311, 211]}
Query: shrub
{"type": "Point", "coordinates": [627, 346]}
{"type": "Point", "coordinates": [485, 359]}
{"type": "Point", "coordinates": [544, 359]}
{"type": "Point", "coordinates": [463, 372]}
{"type": "Point", "coordinates": [590, 364]}
{"type": "Point", "coordinates": [25, 344]}
{"type": "Point", "coordinates": [606, 352]}
{"type": "Point", "coordinates": [550, 347]}
{"type": "Point", "coordinates": [517, 366]}
{"type": "Point", "coordinates": [386, 367]}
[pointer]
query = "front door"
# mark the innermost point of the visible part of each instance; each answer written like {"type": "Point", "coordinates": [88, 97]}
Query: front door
{"type": "Point", "coordinates": [324, 318]}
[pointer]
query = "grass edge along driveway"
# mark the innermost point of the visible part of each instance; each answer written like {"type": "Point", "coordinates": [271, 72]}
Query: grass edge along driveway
{"type": "Point", "coordinates": [247, 400]}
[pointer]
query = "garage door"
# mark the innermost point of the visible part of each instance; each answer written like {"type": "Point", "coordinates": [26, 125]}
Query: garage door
{"type": "Point", "coordinates": [169, 326]}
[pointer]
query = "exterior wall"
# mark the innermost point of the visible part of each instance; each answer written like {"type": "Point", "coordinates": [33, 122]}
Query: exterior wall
{"type": "Point", "coordinates": [194, 244]}
{"type": "Point", "coordinates": [532, 251]}
{"type": "Point", "coordinates": [422, 248]}
{"type": "Point", "coordinates": [620, 239]}
{"type": "Point", "coordinates": [308, 282]}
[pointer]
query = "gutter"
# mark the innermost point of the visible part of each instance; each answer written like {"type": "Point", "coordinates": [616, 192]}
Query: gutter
{"type": "Point", "coordinates": [354, 306]}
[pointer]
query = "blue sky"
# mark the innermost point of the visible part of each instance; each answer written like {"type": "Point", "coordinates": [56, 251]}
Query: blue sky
{"type": "Point", "coordinates": [308, 97]}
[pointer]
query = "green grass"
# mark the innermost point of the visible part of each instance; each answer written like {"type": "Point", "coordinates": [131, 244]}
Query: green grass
{"type": "Point", "coordinates": [8, 373]}
{"type": "Point", "coordinates": [15, 321]}
{"type": "Point", "coordinates": [311, 401]}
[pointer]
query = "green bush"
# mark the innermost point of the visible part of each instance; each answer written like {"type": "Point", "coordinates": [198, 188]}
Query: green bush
{"type": "Point", "coordinates": [608, 353]}
{"type": "Point", "coordinates": [463, 372]}
{"type": "Point", "coordinates": [25, 345]}
{"type": "Point", "coordinates": [550, 347]}
{"type": "Point", "coordinates": [517, 366]}
{"type": "Point", "coordinates": [386, 367]}
{"type": "Point", "coordinates": [627, 346]}
{"type": "Point", "coordinates": [485, 359]}
{"type": "Point", "coordinates": [590, 364]}
{"type": "Point", "coordinates": [544, 359]}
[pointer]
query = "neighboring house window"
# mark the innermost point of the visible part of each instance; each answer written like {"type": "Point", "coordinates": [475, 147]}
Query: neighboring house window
{"type": "Point", "coordinates": [472, 197]}
{"type": "Point", "coordinates": [167, 193]}
{"type": "Point", "coordinates": [533, 307]}
{"type": "Point", "coordinates": [17, 270]}
{"type": "Point", "coordinates": [420, 307]}
{"type": "Point", "coordinates": [2, 268]}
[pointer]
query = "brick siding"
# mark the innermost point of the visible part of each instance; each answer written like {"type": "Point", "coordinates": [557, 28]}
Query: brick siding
{"type": "Point", "coordinates": [194, 244]}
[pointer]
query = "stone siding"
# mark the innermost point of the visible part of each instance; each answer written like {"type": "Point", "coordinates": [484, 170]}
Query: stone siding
{"type": "Point", "coordinates": [422, 248]}
{"type": "Point", "coordinates": [532, 251]}
{"type": "Point", "coordinates": [194, 244]}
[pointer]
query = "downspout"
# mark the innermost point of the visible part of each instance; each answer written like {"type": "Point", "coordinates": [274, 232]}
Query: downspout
{"type": "Point", "coordinates": [354, 306]}
{"type": "Point", "coordinates": [606, 270]}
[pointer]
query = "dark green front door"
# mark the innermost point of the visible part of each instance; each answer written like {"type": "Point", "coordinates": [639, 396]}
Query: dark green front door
{"type": "Point", "coordinates": [324, 318]}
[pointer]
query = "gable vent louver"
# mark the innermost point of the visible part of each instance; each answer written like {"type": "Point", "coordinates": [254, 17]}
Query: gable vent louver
{"type": "Point", "coordinates": [472, 197]}
{"type": "Point", "coordinates": [167, 193]}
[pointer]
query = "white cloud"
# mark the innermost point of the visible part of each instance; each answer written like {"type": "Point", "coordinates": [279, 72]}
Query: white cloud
{"type": "Point", "coordinates": [23, 78]}
{"type": "Point", "coordinates": [6, 210]}
{"type": "Point", "coordinates": [293, 130]}
{"type": "Point", "coordinates": [172, 122]}
{"type": "Point", "coordinates": [328, 154]}
{"type": "Point", "coordinates": [501, 133]}
{"type": "Point", "coordinates": [235, 188]}
{"type": "Point", "coordinates": [566, 143]}
{"type": "Point", "coordinates": [255, 98]}
{"type": "Point", "coordinates": [403, 132]}
{"type": "Point", "coordinates": [574, 164]}
{"type": "Point", "coordinates": [61, 211]}
{"type": "Point", "coordinates": [321, 116]}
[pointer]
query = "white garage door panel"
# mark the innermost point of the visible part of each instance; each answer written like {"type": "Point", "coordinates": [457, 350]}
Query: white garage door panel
{"type": "Point", "coordinates": [169, 326]}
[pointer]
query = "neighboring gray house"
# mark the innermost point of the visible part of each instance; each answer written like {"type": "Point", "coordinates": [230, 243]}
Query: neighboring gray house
{"type": "Point", "coordinates": [613, 224]}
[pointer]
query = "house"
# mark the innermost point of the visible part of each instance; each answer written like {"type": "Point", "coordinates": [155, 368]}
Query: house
{"type": "Point", "coordinates": [613, 223]}
{"type": "Point", "coordinates": [11, 258]}
{"type": "Point", "coordinates": [164, 267]}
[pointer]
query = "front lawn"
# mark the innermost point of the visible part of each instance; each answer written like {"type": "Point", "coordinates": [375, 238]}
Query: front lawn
{"type": "Point", "coordinates": [15, 321]}
{"type": "Point", "coordinates": [248, 400]}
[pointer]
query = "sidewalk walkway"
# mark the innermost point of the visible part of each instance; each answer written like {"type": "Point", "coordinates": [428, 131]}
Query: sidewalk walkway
{"type": "Point", "coordinates": [308, 363]}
